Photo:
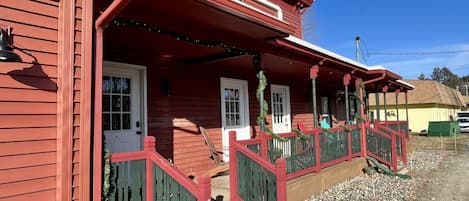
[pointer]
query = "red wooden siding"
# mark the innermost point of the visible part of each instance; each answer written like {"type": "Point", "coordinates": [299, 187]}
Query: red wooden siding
{"type": "Point", "coordinates": [195, 101]}
{"type": "Point", "coordinates": [28, 102]}
{"type": "Point", "coordinates": [292, 17]}
{"type": "Point", "coordinates": [290, 14]}
{"type": "Point", "coordinates": [77, 86]}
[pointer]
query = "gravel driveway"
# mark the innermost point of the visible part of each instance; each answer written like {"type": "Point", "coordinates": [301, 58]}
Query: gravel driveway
{"type": "Point", "coordinates": [451, 181]}
{"type": "Point", "coordinates": [438, 173]}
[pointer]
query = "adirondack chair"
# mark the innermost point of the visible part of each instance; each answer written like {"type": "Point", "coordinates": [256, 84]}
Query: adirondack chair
{"type": "Point", "coordinates": [221, 165]}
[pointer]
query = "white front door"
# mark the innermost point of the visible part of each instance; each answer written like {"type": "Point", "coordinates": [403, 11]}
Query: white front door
{"type": "Point", "coordinates": [280, 104]}
{"type": "Point", "coordinates": [122, 109]}
{"type": "Point", "coordinates": [234, 111]}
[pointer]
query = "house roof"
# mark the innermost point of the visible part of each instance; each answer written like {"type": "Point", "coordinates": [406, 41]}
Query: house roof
{"type": "Point", "coordinates": [425, 91]}
{"type": "Point", "coordinates": [466, 99]}
{"type": "Point", "coordinates": [349, 61]}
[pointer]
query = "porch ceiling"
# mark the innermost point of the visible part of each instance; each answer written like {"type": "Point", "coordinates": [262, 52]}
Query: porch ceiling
{"type": "Point", "coordinates": [198, 19]}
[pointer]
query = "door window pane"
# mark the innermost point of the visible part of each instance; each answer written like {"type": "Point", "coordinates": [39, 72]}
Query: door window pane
{"type": "Point", "coordinates": [116, 121]}
{"type": "Point", "coordinates": [106, 103]}
{"type": "Point", "coordinates": [106, 122]}
{"type": "Point", "coordinates": [106, 84]}
{"type": "Point", "coordinates": [126, 103]}
{"type": "Point", "coordinates": [125, 84]}
{"type": "Point", "coordinates": [125, 121]}
{"type": "Point", "coordinates": [116, 103]}
{"type": "Point", "coordinates": [116, 85]}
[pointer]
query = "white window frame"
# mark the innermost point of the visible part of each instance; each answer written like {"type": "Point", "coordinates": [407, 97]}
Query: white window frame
{"type": "Point", "coordinates": [266, 3]}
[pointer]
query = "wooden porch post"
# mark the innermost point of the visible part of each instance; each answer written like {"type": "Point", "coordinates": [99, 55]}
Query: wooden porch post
{"type": "Point", "coordinates": [100, 24]}
{"type": "Point", "coordinates": [377, 104]}
{"type": "Point", "coordinates": [406, 109]}
{"type": "Point", "coordinates": [149, 146]}
{"type": "Point", "coordinates": [347, 104]}
{"type": "Point", "coordinates": [362, 123]}
{"type": "Point", "coordinates": [397, 108]}
{"type": "Point", "coordinates": [313, 74]}
{"type": "Point", "coordinates": [385, 90]}
{"type": "Point", "coordinates": [281, 172]}
{"type": "Point", "coordinates": [233, 166]}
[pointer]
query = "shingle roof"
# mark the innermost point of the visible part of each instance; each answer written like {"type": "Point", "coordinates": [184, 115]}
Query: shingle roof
{"type": "Point", "coordinates": [466, 99]}
{"type": "Point", "coordinates": [426, 91]}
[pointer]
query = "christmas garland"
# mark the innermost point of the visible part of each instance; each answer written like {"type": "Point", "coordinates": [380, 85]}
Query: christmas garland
{"type": "Point", "coordinates": [264, 108]}
{"type": "Point", "coordinates": [181, 37]}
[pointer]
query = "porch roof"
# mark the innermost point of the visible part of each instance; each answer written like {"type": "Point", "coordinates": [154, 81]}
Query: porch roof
{"type": "Point", "coordinates": [390, 76]}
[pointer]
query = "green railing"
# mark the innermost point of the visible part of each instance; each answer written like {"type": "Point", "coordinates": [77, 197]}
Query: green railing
{"type": "Point", "coordinates": [334, 145]}
{"type": "Point", "coordinates": [167, 188]}
{"type": "Point", "coordinates": [379, 144]}
{"type": "Point", "coordinates": [356, 141]}
{"type": "Point", "coordinates": [309, 152]}
{"type": "Point", "coordinates": [257, 183]}
{"type": "Point", "coordinates": [146, 175]}
{"type": "Point", "coordinates": [298, 152]}
{"type": "Point", "coordinates": [405, 128]}
{"type": "Point", "coordinates": [127, 180]}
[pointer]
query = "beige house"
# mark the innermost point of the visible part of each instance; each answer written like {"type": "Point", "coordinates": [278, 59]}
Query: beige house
{"type": "Point", "coordinates": [429, 101]}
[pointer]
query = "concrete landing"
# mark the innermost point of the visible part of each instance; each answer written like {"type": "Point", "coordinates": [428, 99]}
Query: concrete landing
{"type": "Point", "coordinates": [221, 188]}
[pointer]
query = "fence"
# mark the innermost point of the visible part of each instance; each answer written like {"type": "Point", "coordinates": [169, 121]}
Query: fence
{"type": "Point", "coordinates": [146, 175]}
{"type": "Point", "coordinates": [386, 144]}
{"type": "Point", "coordinates": [265, 163]}
{"type": "Point", "coordinates": [398, 126]}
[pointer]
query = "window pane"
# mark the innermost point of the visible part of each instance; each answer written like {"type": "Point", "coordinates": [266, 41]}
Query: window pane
{"type": "Point", "coordinates": [116, 103]}
{"type": "Point", "coordinates": [227, 120]}
{"type": "Point", "coordinates": [227, 94]}
{"type": "Point", "coordinates": [106, 84]}
{"type": "Point", "coordinates": [116, 85]}
{"type": "Point", "coordinates": [236, 94]}
{"type": "Point", "coordinates": [227, 107]}
{"type": "Point", "coordinates": [125, 85]}
{"type": "Point", "coordinates": [106, 122]}
{"type": "Point", "coordinates": [126, 103]}
{"type": "Point", "coordinates": [106, 103]}
{"type": "Point", "coordinates": [116, 121]}
{"type": "Point", "coordinates": [125, 121]}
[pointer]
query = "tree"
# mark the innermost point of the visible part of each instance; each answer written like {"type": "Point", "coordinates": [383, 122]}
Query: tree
{"type": "Point", "coordinates": [422, 77]}
{"type": "Point", "coordinates": [446, 77]}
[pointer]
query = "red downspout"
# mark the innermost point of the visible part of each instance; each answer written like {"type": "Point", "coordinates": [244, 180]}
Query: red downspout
{"type": "Point", "coordinates": [100, 24]}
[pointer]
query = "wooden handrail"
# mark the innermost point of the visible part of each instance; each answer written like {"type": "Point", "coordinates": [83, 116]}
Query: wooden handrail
{"type": "Point", "coordinates": [202, 190]}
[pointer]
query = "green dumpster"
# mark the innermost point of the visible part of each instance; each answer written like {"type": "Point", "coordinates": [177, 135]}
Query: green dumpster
{"type": "Point", "coordinates": [443, 128]}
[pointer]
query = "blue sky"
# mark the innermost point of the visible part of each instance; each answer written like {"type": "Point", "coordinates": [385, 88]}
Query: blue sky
{"type": "Point", "coordinates": [394, 26]}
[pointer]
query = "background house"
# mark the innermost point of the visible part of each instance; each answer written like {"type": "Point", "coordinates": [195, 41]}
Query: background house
{"type": "Point", "coordinates": [429, 101]}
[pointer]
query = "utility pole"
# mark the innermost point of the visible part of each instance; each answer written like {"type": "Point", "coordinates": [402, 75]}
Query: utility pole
{"type": "Point", "coordinates": [357, 50]}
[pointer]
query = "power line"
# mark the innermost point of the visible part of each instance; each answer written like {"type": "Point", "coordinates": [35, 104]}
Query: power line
{"type": "Point", "coordinates": [418, 53]}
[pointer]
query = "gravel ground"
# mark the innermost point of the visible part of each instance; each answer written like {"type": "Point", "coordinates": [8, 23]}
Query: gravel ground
{"type": "Point", "coordinates": [382, 187]}
{"type": "Point", "coordinates": [438, 173]}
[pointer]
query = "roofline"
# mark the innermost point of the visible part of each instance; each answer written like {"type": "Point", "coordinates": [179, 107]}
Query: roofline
{"type": "Point", "coordinates": [334, 55]}
{"type": "Point", "coordinates": [406, 83]}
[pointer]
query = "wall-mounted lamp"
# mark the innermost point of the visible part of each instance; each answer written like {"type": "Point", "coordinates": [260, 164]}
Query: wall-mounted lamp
{"type": "Point", "coordinates": [6, 51]}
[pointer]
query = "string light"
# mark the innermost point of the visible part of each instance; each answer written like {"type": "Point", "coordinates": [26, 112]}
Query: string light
{"type": "Point", "coordinates": [181, 37]}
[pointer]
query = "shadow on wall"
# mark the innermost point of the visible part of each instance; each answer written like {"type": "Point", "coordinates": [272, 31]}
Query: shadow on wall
{"type": "Point", "coordinates": [33, 75]}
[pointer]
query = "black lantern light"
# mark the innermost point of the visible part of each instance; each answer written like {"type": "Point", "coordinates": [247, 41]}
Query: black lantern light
{"type": "Point", "coordinates": [6, 51]}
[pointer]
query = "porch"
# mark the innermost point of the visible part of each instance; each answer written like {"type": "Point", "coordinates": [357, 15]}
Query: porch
{"type": "Point", "coordinates": [171, 78]}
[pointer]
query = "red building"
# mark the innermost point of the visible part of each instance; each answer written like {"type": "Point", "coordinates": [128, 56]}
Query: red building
{"type": "Point", "coordinates": [128, 69]}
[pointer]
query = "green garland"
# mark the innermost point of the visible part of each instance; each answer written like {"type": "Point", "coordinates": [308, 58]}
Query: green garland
{"type": "Point", "coordinates": [300, 135]}
{"type": "Point", "coordinates": [108, 172]}
{"type": "Point", "coordinates": [181, 37]}
{"type": "Point", "coordinates": [264, 107]}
